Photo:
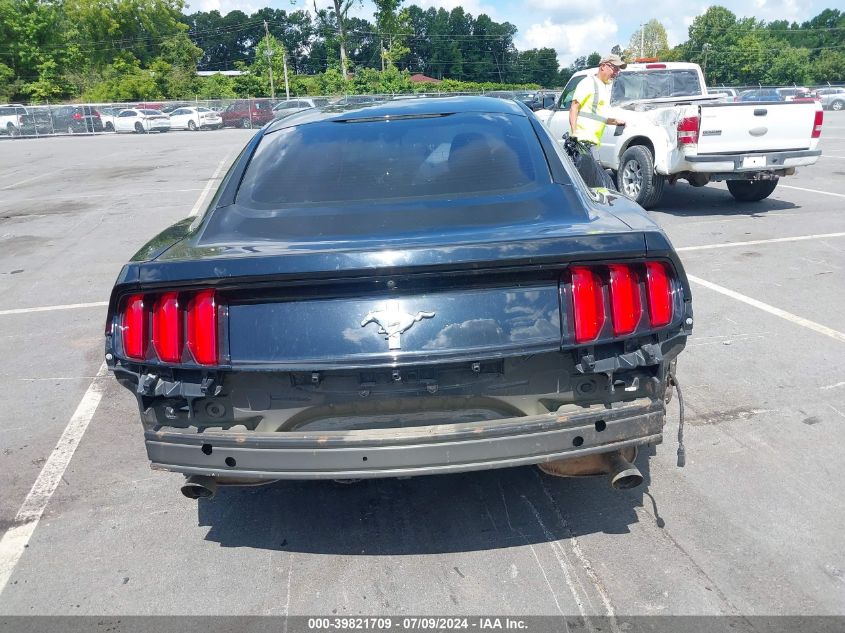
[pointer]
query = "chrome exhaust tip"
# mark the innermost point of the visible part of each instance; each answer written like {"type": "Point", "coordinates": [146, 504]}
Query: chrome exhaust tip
{"type": "Point", "coordinates": [199, 487]}
{"type": "Point", "coordinates": [623, 474]}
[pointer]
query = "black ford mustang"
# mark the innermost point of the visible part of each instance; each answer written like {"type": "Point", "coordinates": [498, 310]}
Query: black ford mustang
{"type": "Point", "coordinates": [404, 288]}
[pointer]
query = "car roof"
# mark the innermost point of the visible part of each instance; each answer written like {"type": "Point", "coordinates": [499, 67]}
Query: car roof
{"type": "Point", "coordinates": [410, 108]}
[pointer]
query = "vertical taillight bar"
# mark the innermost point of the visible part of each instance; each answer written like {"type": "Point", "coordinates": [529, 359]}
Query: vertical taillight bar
{"type": "Point", "coordinates": [588, 303]}
{"type": "Point", "coordinates": [688, 130]}
{"type": "Point", "coordinates": [659, 294]}
{"type": "Point", "coordinates": [625, 308]}
{"type": "Point", "coordinates": [167, 328]}
{"type": "Point", "coordinates": [202, 327]}
{"type": "Point", "coordinates": [817, 124]}
{"type": "Point", "coordinates": [134, 328]}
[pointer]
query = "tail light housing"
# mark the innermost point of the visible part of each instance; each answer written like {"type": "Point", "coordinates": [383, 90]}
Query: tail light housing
{"type": "Point", "coordinates": [588, 302]}
{"type": "Point", "coordinates": [76, 116]}
{"type": "Point", "coordinates": [688, 131]}
{"type": "Point", "coordinates": [170, 327]}
{"type": "Point", "coordinates": [619, 299]}
{"type": "Point", "coordinates": [817, 124]}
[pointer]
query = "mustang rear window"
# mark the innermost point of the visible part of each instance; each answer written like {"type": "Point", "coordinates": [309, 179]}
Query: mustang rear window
{"type": "Point", "coordinates": [354, 161]}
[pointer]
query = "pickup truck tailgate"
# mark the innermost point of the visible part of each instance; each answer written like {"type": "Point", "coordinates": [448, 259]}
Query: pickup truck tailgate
{"type": "Point", "coordinates": [752, 127]}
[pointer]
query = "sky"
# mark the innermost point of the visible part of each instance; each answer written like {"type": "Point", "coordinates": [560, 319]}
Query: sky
{"type": "Point", "coordinates": [572, 27]}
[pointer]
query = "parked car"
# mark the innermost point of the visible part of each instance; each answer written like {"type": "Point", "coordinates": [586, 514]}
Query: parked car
{"type": "Point", "coordinates": [791, 92]}
{"type": "Point", "coordinates": [727, 94]}
{"type": "Point", "coordinates": [390, 291]}
{"type": "Point", "coordinates": [761, 94]}
{"type": "Point", "coordinates": [674, 129]}
{"type": "Point", "coordinates": [11, 118]}
{"type": "Point", "coordinates": [149, 106]}
{"type": "Point", "coordinates": [286, 108]}
{"type": "Point", "coordinates": [544, 100]}
{"type": "Point", "coordinates": [36, 121]}
{"type": "Point", "coordinates": [247, 114]}
{"type": "Point", "coordinates": [108, 115]}
{"type": "Point", "coordinates": [832, 98]}
{"type": "Point", "coordinates": [76, 119]}
{"type": "Point", "coordinates": [141, 121]}
{"type": "Point", "coordinates": [192, 118]}
{"type": "Point", "coordinates": [170, 107]}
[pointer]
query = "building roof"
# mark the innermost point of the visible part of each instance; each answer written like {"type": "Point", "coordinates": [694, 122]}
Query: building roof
{"type": "Point", "coordinates": [419, 78]}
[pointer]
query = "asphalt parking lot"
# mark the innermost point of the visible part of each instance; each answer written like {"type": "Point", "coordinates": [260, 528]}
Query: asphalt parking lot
{"type": "Point", "coordinates": [753, 524]}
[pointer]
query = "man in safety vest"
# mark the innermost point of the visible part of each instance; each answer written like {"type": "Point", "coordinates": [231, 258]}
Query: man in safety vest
{"type": "Point", "coordinates": [588, 112]}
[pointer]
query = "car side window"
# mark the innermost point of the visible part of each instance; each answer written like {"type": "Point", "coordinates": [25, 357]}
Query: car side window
{"type": "Point", "coordinates": [126, 113]}
{"type": "Point", "coordinates": [568, 93]}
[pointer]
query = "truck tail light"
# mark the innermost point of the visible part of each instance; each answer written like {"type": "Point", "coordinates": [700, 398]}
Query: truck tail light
{"type": "Point", "coordinates": [636, 297]}
{"type": "Point", "coordinates": [160, 326]}
{"type": "Point", "coordinates": [588, 303]}
{"type": "Point", "coordinates": [817, 124]}
{"type": "Point", "coordinates": [659, 294]}
{"type": "Point", "coordinates": [202, 327]}
{"type": "Point", "coordinates": [134, 327]}
{"type": "Point", "coordinates": [625, 306]}
{"type": "Point", "coordinates": [688, 131]}
{"type": "Point", "coordinates": [76, 116]}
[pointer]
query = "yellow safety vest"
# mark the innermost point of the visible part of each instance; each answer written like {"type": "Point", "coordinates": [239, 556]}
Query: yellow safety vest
{"type": "Point", "coordinates": [589, 126]}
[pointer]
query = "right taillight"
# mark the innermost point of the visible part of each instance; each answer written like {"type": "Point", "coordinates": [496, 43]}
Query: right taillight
{"type": "Point", "coordinates": [659, 288]}
{"type": "Point", "coordinates": [637, 298]}
{"type": "Point", "coordinates": [688, 130]}
{"type": "Point", "coordinates": [817, 124]}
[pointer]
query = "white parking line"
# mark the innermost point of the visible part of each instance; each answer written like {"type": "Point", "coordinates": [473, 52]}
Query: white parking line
{"type": "Point", "coordinates": [207, 188]}
{"type": "Point", "coordinates": [794, 318]}
{"type": "Point", "coordinates": [70, 306]}
{"type": "Point", "coordinates": [775, 240]}
{"type": "Point", "coordinates": [831, 156]}
{"type": "Point", "coordinates": [826, 193]}
{"type": "Point", "coordinates": [16, 538]}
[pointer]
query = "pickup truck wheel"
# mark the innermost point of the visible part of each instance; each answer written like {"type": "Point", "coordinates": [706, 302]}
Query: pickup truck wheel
{"type": "Point", "coordinates": [837, 105]}
{"type": "Point", "coordinates": [636, 178]}
{"type": "Point", "coordinates": [246, 123]}
{"type": "Point", "coordinates": [751, 190]}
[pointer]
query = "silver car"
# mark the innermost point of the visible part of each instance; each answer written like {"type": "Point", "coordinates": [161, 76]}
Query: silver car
{"type": "Point", "coordinates": [832, 98]}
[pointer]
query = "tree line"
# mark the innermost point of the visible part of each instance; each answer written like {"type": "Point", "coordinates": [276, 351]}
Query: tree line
{"type": "Point", "coordinates": [121, 50]}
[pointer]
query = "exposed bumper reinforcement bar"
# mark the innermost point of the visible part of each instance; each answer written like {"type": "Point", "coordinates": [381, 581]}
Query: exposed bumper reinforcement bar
{"type": "Point", "coordinates": [402, 452]}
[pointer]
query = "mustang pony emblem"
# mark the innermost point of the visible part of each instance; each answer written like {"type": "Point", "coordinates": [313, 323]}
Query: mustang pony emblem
{"type": "Point", "coordinates": [392, 322]}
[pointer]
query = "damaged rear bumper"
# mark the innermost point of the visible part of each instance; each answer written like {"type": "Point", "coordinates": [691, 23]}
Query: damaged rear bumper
{"type": "Point", "coordinates": [421, 450]}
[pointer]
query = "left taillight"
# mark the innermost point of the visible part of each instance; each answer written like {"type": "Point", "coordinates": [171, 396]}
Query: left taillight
{"type": "Point", "coordinates": [688, 131]}
{"type": "Point", "coordinates": [170, 326]}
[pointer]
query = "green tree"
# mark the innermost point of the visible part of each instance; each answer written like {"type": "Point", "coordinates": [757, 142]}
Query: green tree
{"type": "Point", "coordinates": [269, 53]}
{"type": "Point", "coordinates": [650, 40]}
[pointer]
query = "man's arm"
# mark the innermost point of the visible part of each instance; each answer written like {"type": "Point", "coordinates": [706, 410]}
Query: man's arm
{"type": "Point", "coordinates": [574, 108]}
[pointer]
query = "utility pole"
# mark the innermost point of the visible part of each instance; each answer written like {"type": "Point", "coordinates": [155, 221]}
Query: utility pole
{"type": "Point", "coordinates": [287, 87]}
{"type": "Point", "coordinates": [269, 54]}
{"type": "Point", "coordinates": [706, 48]}
{"type": "Point", "coordinates": [642, 40]}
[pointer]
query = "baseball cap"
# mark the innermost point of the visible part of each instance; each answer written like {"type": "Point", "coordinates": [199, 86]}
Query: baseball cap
{"type": "Point", "coordinates": [615, 60]}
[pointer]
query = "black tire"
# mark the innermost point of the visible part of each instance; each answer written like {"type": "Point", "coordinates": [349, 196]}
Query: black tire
{"type": "Point", "coordinates": [11, 130]}
{"type": "Point", "coordinates": [139, 128]}
{"type": "Point", "coordinates": [636, 178]}
{"type": "Point", "coordinates": [246, 123]}
{"type": "Point", "coordinates": [837, 105]}
{"type": "Point", "coordinates": [751, 190]}
{"type": "Point", "coordinates": [109, 127]}
{"type": "Point", "coordinates": [192, 126]}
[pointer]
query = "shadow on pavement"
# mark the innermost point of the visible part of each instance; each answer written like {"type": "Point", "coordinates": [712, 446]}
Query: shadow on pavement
{"type": "Point", "coordinates": [422, 515]}
{"type": "Point", "coordinates": [684, 200]}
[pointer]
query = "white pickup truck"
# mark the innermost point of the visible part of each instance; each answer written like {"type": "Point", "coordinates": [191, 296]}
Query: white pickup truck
{"type": "Point", "coordinates": [674, 129]}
